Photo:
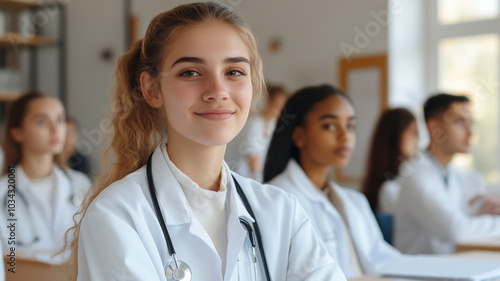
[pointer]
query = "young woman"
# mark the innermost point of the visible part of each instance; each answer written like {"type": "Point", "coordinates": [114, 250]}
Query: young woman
{"type": "Point", "coordinates": [394, 140]}
{"type": "Point", "coordinates": [316, 132]}
{"type": "Point", "coordinates": [174, 210]}
{"type": "Point", "coordinates": [38, 190]}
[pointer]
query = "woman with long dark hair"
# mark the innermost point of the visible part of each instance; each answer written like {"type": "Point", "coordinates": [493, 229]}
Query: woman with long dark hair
{"type": "Point", "coordinates": [394, 140]}
{"type": "Point", "coordinates": [316, 132]}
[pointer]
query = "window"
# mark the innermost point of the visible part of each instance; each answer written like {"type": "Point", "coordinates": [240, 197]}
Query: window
{"type": "Point", "coordinates": [464, 46]}
{"type": "Point", "coordinates": [457, 11]}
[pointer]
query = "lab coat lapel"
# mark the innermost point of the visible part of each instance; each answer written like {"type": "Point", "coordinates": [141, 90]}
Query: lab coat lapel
{"type": "Point", "coordinates": [177, 213]}
{"type": "Point", "coordinates": [25, 204]}
{"type": "Point", "coordinates": [23, 192]}
{"type": "Point", "coordinates": [235, 232]}
{"type": "Point", "coordinates": [307, 188]}
{"type": "Point", "coordinates": [22, 182]}
{"type": "Point", "coordinates": [352, 212]}
{"type": "Point", "coordinates": [23, 185]}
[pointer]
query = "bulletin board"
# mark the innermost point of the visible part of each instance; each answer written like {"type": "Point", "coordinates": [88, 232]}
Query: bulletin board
{"type": "Point", "coordinates": [364, 80]}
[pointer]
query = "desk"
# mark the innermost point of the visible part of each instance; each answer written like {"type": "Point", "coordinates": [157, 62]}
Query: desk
{"type": "Point", "coordinates": [470, 254]}
{"type": "Point", "coordinates": [491, 245]}
{"type": "Point", "coordinates": [33, 266]}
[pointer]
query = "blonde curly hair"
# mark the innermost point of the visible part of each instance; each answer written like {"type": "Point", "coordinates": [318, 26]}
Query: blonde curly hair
{"type": "Point", "coordinates": [139, 128]}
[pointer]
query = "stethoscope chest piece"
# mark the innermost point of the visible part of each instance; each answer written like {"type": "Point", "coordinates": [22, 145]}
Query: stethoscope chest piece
{"type": "Point", "coordinates": [181, 273]}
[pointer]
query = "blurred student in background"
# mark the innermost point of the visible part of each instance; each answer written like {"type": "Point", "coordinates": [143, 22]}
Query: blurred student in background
{"type": "Point", "coordinates": [439, 205]}
{"type": "Point", "coordinates": [316, 132]}
{"type": "Point", "coordinates": [247, 151]}
{"type": "Point", "coordinates": [47, 193]}
{"type": "Point", "coordinates": [394, 140]}
{"type": "Point", "coordinates": [76, 160]}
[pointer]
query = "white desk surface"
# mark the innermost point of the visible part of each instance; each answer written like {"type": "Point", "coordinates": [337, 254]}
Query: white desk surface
{"type": "Point", "coordinates": [469, 254]}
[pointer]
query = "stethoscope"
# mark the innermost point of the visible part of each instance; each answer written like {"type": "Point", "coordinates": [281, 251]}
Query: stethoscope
{"type": "Point", "coordinates": [34, 228]}
{"type": "Point", "coordinates": [177, 270]}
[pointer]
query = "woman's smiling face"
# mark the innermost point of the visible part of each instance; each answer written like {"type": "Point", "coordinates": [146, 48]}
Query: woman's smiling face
{"type": "Point", "coordinates": [205, 84]}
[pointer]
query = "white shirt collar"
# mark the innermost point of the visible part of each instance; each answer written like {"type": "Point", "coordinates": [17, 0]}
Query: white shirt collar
{"type": "Point", "coordinates": [189, 186]}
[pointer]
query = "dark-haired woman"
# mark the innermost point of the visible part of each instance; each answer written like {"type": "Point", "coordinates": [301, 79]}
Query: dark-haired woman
{"type": "Point", "coordinates": [315, 133]}
{"type": "Point", "coordinates": [394, 140]}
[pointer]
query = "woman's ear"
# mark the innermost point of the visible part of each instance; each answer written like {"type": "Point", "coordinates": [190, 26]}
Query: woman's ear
{"type": "Point", "coordinates": [298, 136]}
{"type": "Point", "coordinates": [16, 134]}
{"type": "Point", "coordinates": [150, 91]}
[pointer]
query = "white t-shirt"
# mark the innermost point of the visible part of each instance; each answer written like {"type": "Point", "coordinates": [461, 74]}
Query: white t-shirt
{"type": "Point", "coordinates": [43, 188]}
{"type": "Point", "coordinates": [208, 206]}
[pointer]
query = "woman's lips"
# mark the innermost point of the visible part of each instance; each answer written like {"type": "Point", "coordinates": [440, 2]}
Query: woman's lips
{"type": "Point", "coordinates": [344, 152]}
{"type": "Point", "coordinates": [216, 114]}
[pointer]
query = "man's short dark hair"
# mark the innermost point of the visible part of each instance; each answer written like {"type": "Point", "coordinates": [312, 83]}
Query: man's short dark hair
{"type": "Point", "coordinates": [439, 103]}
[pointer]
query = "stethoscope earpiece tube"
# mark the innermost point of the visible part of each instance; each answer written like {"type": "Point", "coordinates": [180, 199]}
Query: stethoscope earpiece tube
{"type": "Point", "coordinates": [176, 270]}
{"type": "Point", "coordinates": [156, 205]}
{"type": "Point", "coordinates": [256, 227]}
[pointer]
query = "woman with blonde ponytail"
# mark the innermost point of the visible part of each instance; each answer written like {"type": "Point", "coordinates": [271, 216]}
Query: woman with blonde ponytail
{"type": "Point", "coordinates": [170, 209]}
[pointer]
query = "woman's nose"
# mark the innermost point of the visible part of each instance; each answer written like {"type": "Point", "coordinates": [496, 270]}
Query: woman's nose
{"type": "Point", "coordinates": [216, 89]}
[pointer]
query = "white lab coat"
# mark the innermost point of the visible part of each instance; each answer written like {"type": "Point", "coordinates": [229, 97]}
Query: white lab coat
{"type": "Point", "coordinates": [388, 197]}
{"type": "Point", "coordinates": [121, 238]}
{"type": "Point", "coordinates": [432, 216]}
{"type": "Point", "coordinates": [373, 252]}
{"type": "Point", "coordinates": [30, 220]}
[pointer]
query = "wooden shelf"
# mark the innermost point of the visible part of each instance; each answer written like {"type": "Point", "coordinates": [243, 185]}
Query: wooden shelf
{"type": "Point", "coordinates": [9, 96]}
{"type": "Point", "coordinates": [18, 40]}
{"type": "Point", "coordinates": [19, 4]}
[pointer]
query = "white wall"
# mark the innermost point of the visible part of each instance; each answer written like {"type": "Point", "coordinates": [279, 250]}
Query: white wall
{"type": "Point", "coordinates": [310, 31]}
{"type": "Point", "coordinates": [93, 26]}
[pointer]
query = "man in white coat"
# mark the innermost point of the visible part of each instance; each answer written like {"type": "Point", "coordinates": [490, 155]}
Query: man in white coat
{"type": "Point", "coordinates": [438, 205]}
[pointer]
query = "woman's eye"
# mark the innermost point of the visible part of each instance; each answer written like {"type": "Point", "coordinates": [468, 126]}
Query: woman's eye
{"type": "Point", "coordinates": [189, 73]}
{"type": "Point", "coordinates": [235, 73]}
{"type": "Point", "coordinates": [330, 127]}
{"type": "Point", "coordinates": [41, 122]}
{"type": "Point", "coordinates": [351, 127]}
